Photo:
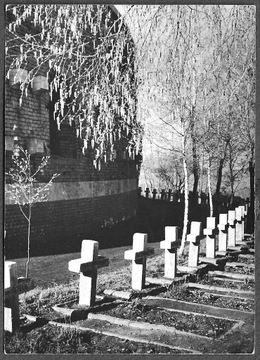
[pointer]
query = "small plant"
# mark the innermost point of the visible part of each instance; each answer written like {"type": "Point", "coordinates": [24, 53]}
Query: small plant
{"type": "Point", "coordinates": [25, 190]}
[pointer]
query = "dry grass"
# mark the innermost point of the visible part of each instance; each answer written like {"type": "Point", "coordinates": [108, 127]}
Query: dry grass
{"type": "Point", "coordinates": [39, 300]}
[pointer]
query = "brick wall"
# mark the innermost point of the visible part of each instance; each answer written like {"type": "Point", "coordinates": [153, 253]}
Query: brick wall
{"type": "Point", "coordinates": [31, 125]}
{"type": "Point", "coordinates": [65, 224]}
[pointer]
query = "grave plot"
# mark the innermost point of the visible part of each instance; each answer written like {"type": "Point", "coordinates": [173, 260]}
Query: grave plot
{"type": "Point", "coordinates": [185, 312]}
{"type": "Point", "coordinates": [192, 316]}
{"type": "Point", "coordinates": [79, 340]}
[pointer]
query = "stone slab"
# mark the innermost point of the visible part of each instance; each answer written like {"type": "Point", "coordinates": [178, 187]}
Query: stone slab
{"type": "Point", "coordinates": [246, 256]}
{"type": "Point", "coordinates": [215, 261]}
{"type": "Point", "coordinates": [229, 275]}
{"type": "Point", "coordinates": [223, 291]}
{"type": "Point", "coordinates": [160, 281]}
{"type": "Point", "coordinates": [240, 264]}
{"type": "Point", "coordinates": [199, 308]}
{"type": "Point", "coordinates": [224, 254]}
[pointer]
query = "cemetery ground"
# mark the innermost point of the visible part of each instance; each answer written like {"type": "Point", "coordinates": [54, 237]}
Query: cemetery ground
{"type": "Point", "coordinates": [202, 313]}
{"type": "Point", "coordinates": [208, 308]}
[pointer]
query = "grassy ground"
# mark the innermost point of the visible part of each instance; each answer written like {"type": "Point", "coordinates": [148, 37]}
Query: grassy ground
{"type": "Point", "coordinates": [54, 288]}
{"type": "Point", "coordinates": [57, 289]}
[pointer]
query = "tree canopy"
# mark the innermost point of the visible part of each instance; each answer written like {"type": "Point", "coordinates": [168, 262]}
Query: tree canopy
{"type": "Point", "coordinates": [88, 55]}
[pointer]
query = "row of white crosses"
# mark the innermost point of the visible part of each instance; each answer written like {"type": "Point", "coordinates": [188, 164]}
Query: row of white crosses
{"type": "Point", "coordinates": [87, 265]}
{"type": "Point", "coordinates": [140, 251]}
{"type": "Point", "coordinates": [230, 231]}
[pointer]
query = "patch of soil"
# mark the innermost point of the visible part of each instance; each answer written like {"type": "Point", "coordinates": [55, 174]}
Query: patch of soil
{"type": "Point", "coordinates": [240, 270]}
{"type": "Point", "coordinates": [55, 340]}
{"type": "Point", "coordinates": [201, 325]}
{"type": "Point", "coordinates": [204, 297]}
{"type": "Point", "coordinates": [245, 260]}
{"type": "Point", "coordinates": [228, 283]}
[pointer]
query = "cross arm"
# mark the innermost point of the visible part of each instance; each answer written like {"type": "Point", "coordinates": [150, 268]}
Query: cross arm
{"type": "Point", "coordinates": [210, 231]}
{"type": "Point", "coordinates": [194, 238]}
{"type": "Point", "coordinates": [81, 266]}
{"type": "Point", "coordinates": [137, 255]}
{"type": "Point", "coordinates": [222, 227]}
{"type": "Point", "coordinates": [169, 245]}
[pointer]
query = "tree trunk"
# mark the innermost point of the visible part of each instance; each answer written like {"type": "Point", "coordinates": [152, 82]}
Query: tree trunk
{"type": "Point", "coordinates": [196, 178]}
{"type": "Point", "coordinates": [186, 192]}
{"type": "Point", "coordinates": [231, 177]}
{"type": "Point", "coordinates": [209, 190]}
{"type": "Point", "coordinates": [220, 171]}
{"type": "Point", "coordinates": [251, 210]}
{"type": "Point", "coordinates": [195, 161]}
{"type": "Point", "coordinates": [28, 242]}
{"type": "Point", "coordinates": [186, 206]}
{"type": "Point", "coordinates": [219, 176]}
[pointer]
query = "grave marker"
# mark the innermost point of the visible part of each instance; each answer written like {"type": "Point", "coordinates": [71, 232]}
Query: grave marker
{"type": "Point", "coordinates": [170, 244]}
{"type": "Point", "coordinates": [210, 232]}
{"type": "Point", "coordinates": [11, 310]}
{"type": "Point", "coordinates": [194, 239]}
{"type": "Point", "coordinates": [154, 193]}
{"type": "Point", "coordinates": [138, 256]}
{"type": "Point", "coordinates": [163, 194]}
{"type": "Point", "coordinates": [222, 235]}
{"type": "Point", "coordinates": [231, 228]}
{"type": "Point", "coordinates": [239, 223]}
{"type": "Point", "coordinates": [87, 267]}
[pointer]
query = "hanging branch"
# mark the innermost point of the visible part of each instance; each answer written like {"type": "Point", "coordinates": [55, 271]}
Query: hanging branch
{"type": "Point", "coordinates": [88, 56]}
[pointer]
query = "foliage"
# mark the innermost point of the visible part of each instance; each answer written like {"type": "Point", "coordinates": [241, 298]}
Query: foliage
{"type": "Point", "coordinates": [24, 189]}
{"type": "Point", "coordinates": [88, 56]}
{"type": "Point", "coordinates": [198, 71]}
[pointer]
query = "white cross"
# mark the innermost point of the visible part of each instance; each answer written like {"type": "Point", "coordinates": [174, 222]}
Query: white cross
{"type": "Point", "coordinates": [222, 236]}
{"type": "Point", "coordinates": [138, 256]}
{"type": "Point", "coordinates": [170, 244]}
{"type": "Point", "coordinates": [231, 228]}
{"type": "Point", "coordinates": [87, 267]}
{"type": "Point", "coordinates": [210, 232]}
{"type": "Point", "coordinates": [11, 310]}
{"type": "Point", "coordinates": [194, 238]}
{"type": "Point", "coordinates": [239, 223]}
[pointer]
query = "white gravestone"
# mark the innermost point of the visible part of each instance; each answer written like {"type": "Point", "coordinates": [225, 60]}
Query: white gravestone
{"type": "Point", "coordinates": [87, 267]}
{"type": "Point", "coordinates": [231, 228]}
{"type": "Point", "coordinates": [239, 223]}
{"type": "Point", "coordinates": [11, 310]}
{"type": "Point", "coordinates": [222, 235]}
{"type": "Point", "coordinates": [170, 244]}
{"type": "Point", "coordinates": [210, 232]}
{"type": "Point", "coordinates": [138, 256]}
{"type": "Point", "coordinates": [194, 239]}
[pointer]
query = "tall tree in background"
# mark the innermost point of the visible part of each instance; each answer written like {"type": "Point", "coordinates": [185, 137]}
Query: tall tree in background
{"type": "Point", "coordinates": [193, 64]}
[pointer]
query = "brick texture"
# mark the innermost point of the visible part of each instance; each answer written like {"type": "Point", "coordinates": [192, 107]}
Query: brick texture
{"type": "Point", "coordinates": [67, 221]}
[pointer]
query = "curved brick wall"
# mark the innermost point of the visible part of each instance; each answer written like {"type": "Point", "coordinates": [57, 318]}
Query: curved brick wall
{"type": "Point", "coordinates": [83, 199]}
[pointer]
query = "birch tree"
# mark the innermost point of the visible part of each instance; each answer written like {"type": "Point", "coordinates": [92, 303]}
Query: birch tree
{"type": "Point", "coordinates": [88, 55]}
